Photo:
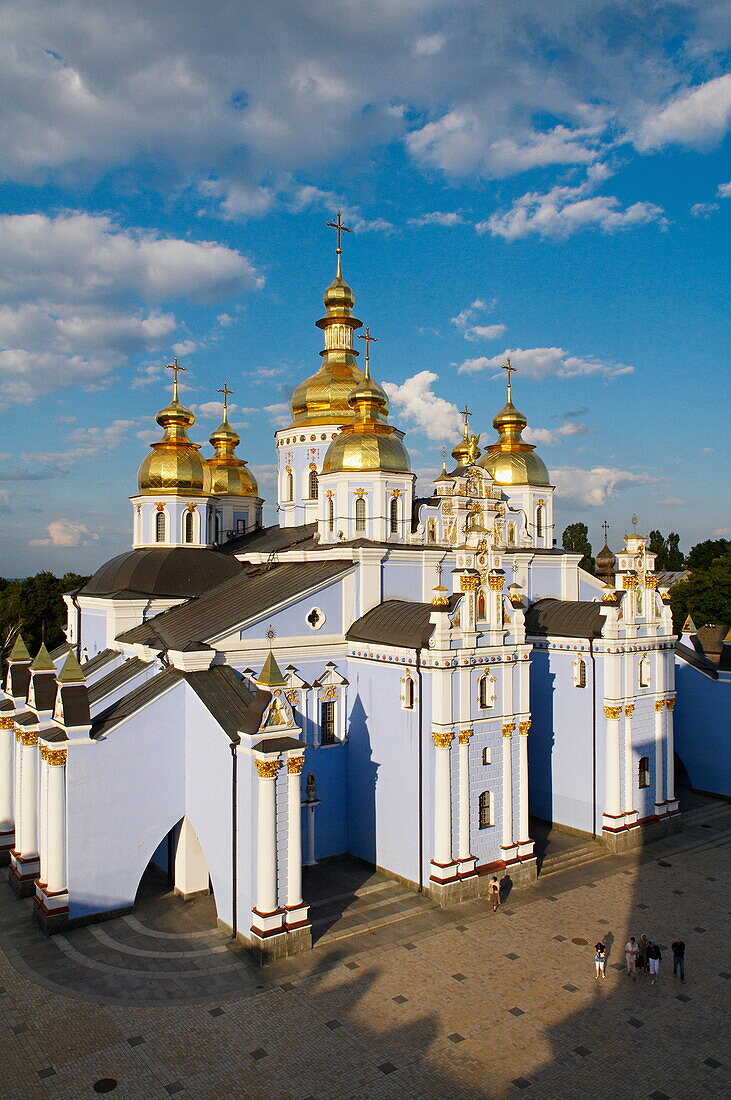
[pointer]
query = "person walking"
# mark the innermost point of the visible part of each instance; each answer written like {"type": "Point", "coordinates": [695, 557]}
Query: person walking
{"type": "Point", "coordinates": [600, 958]}
{"type": "Point", "coordinates": [642, 958]}
{"type": "Point", "coordinates": [494, 892]}
{"type": "Point", "coordinates": [654, 955]}
{"type": "Point", "coordinates": [630, 955]}
{"type": "Point", "coordinates": [678, 950]}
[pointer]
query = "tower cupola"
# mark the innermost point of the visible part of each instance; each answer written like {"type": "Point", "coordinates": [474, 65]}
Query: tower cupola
{"type": "Point", "coordinates": [174, 463]}
{"type": "Point", "coordinates": [511, 460]}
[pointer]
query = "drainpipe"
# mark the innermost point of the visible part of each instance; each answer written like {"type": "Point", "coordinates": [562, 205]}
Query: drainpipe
{"type": "Point", "coordinates": [420, 712]}
{"type": "Point", "coordinates": [78, 626]}
{"type": "Point", "coordinates": [593, 738]}
{"type": "Point", "coordinates": [234, 845]}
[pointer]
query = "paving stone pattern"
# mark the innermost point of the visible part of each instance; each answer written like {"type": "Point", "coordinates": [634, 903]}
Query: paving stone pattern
{"type": "Point", "coordinates": [463, 1003]}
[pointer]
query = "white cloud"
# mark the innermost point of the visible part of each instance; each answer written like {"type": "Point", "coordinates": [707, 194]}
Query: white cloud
{"type": "Point", "coordinates": [724, 190]}
{"type": "Point", "coordinates": [415, 402]}
{"type": "Point", "coordinates": [428, 45]}
{"type": "Point", "coordinates": [596, 486]}
{"type": "Point", "coordinates": [66, 533]}
{"type": "Point", "coordinates": [703, 209]}
{"type": "Point", "coordinates": [438, 217]}
{"type": "Point", "coordinates": [464, 321]}
{"type": "Point", "coordinates": [549, 437]}
{"type": "Point", "coordinates": [75, 292]}
{"type": "Point", "coordinates": [722, 533]}
{"type": "Point", "coordinates": [237, 201]}
{"type": "Point", "coordinates": [673, 502]}
{"type": "Point", "coordinates": [100, 439]}
{"type": "Point", "coordinates": [563, 211]}
{"type": "Point", "coordinates": [213, 410]}
{"type": "Point", "coordinates": [280, 413]}
{"type": "Point", "coordinates": [305, 195]}
{"type": "Point", "coordinates": [544, 363]}
{"type": "Point", "coordinates": [184, 347]}
{"type": "Point", "coordinates": [697, 117]}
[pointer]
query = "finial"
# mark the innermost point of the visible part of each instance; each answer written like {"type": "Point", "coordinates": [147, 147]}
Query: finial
{"type": "Point", "coordinates": [226, 394]}
{"type": "Point", "coordinates": [369, 340]}
{"type": "Point", "coordinates": [466, 429]}
{"type": "Point", "coordinates": [605, 529]}
{"type": "Point", "coordinates": [634, 523]}
{"type": "Point", "coordinates": [444, 460]}
{"type": "Point", "coordinates": [339, 228]}
{"type": "Point", "coordinates": [175, 368]}
{"type": "Point", "coordinates": [510, 369]}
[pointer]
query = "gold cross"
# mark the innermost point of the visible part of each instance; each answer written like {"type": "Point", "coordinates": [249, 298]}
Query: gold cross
{"type": "Point", "coordinates": [605, 529]}
{"type": "Point", "coordinates": [226, 393]}
{"type": "Point", "coordinates": [509, 368]}
{"type": "Point", "coordinates": [339, 229]}
{"type": "Point", "coordinates": [175, 368]}
{"type": "Point", "coordinates": [368, 341]}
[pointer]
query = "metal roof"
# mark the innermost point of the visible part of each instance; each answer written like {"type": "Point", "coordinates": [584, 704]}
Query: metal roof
{"type": "Point", "coordinates": [396, 622]}
{"type": "Point", "coordinates": [99, 660]}
{"type": "Point", "coordinates": [564, 618]}
{"type": "Point", "coordinates": [157, 571]}
{"type": "Point", "coordinates": [140, 697]}
{"type": "Point", "coordinates": [116, 679]}
{"type": "Point", "coordinates": [255, 590]}
{"type": "Point", "coordinates": [235, 707]}
{"type": "Point", "coordinates": [697, 660]}
{"type": "Point", "coordinates": [271, 539]}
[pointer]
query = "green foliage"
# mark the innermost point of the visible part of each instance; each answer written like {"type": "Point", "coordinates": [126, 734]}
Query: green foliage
{"type": "Point", "coordinates": [669, 555]}
{"type": "Point", "coordinates": [576, 539]}
{"type": "Point", "coordinates": [34, 608]}
{"type": "Point", "coordinates": [706, 594]}
{"type": "Point", "coordinates": [703, 553]}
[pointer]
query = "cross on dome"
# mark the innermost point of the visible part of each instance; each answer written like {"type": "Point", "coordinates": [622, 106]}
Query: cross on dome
{"type": "Point", "coordinates": [175, 367]}
{"type": "Point", "coordinates": [226, 394]}
{"type": "Point", "coordinates": [368, 341]}
{"type": "Point", "coordinates": [339, 228]}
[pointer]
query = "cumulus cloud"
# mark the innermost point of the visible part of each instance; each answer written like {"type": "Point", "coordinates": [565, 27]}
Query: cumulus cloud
{"type": "Point", "coordinates": [66, 533]}
{"type": "Point", "coordinates": [549, 437]}
{"type": "Point", "coordinates": [696, 117]}
{"type": "Point", "coordinates": [703, 209]}
{"type": "Point", "coordinates": [596, 486]}
{"type": "Point", "coordinates": [102, 438]}
{"type": "Point", "coordinates": [563, 211]}
{"type": "Point", "coordinates": [306, 195]}
{"type": "Point", "coordinates": [80, 296]}
{"type": "Point", "coordinates": [281, 413]}
{"type": "Point", "coordinates": [415, 402]}
{"type": "Point", "coordinates": [438, 217]}
{"type": "Point", "coordinates": [544, 363]}
{"type": "Point", "coordinates": [724, 190]}
{"type": "Point", "coordinates": [465, 323]}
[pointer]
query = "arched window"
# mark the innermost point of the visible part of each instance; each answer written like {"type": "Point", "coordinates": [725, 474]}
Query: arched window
{"type": "Point", "coordinates": [485, 810]}
{"type": "Point", "coordinates": [360, 514]}
{"type": "Point", "coordinates": [644, 676]}
{"type": "Point", "coordinates": [217, 528]}
{"type": "Point", "coordinates": [644, 772]}
{"type": "Point", "coordinates": [313, 484]}
{"type": "Point", "coordinates": [330, 514]}
{"type": "Point", "coordinates": [394, 515]}
{"type": "Point", "coordinates": [580, 672]}
{"type": "Point", "coordinates": [540, 523]}
{"type": "Point", "coordinates": [431, 530]}
{"type": "Point", "coordinates": [408, 693]}
{"type": "Point", "coordinates": [289, 486]}
{"type": "Point", "coordinates": [487, 691]}
{"type": "Point", "coordinates": [160, 527]}
{"type": "Point", "coordinates": [481, 604]}
{"type": "Point", "coordinates": [188, 531]}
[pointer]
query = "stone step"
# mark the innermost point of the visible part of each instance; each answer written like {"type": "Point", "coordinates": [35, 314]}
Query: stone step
{"type": "Point", "coordinates": [705, 813]}
{"type": "Point", "coordinates": [570, 860]}
{"type": "Point", "coordinates": [365, 909]}
{"type": "Point", "coordinates": [338, 932]}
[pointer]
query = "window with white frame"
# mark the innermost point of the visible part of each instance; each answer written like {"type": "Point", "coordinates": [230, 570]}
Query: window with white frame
{"type": "Point", "coordinates": [485, 810]}
{"type": "Point", "coordinates": [540, 522]}
{"type": "Point", "coordinates": [580, 672]}
{"type": "Point", "coordinates": [328, 714]}
{"type": "Point", "coordinates": [487, 756]}
{"type": "Point", "coordinates": [360, 514]}
{"type": "Point", "coordinates": [486, 691]}
{"type": "Point", "coordinates": [289, 485]}
{"type": "Point", "coordinates": [160, 527]}
{"type": "Point", "coordinates": [408, 692]}
{"type": "Point", "coordinates": [189, 522]}
{"type": "Point", "coordinates": [643, 777]}
{"type": "Point", "coordinates": [431, 530]}
{"type": "Point", "coordinates": [330, 514]}
{"type": "Point", "coordinates": [313, 484]}
{"type": "Point", "coordinates": [394, 515]}
{"type": "Point", "coordinates": [644, 671]}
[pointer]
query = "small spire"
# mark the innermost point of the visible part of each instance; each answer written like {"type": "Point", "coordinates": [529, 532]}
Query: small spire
{"type": "Point", "coordinates": [19, 652]}
{"type": "Point", "coordinates": [339, 228]}
{"type": "Point", "coordinates": [689, 626]}
{"type": "Point", "coordinates": [42, 661]}
{"type": "Point", "coordinates": [71, 672]}
{"type": "Point", "coordinates": [510, 370]}
{"type": "Point", "coordinates": [271, 674]}
{"type": "Point", "coordinates": [369, 340]}
{"type": "Point", "coordinates": [226, 394]}
{"type": "Point", "coordinates": [605, 529]}
{"type": "Point", "coordinates": [466, 427]}
{"type": "Point", "coordinates": [175, 368]}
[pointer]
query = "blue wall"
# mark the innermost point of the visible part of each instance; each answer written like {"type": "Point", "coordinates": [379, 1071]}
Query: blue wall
{"type": "Point", "coordinates": [703, 728]}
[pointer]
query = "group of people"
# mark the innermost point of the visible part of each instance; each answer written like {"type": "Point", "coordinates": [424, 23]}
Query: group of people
{"type": "Point", "coordinates": [643, 955]}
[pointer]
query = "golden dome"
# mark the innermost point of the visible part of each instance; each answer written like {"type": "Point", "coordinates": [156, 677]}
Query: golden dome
{"type": "Point", "coordinates": [174, 464]}
{"type": "Point", "coordinates": [512, 461]}
{"type": "Point", "coordinates": [228, 474]}
{"type": "Point", "coordinates": [467, 450]}
{"type": "Point", "coordinates": [370, 442]}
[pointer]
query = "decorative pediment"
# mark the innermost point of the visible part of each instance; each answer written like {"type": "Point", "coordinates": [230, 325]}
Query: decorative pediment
{"type": "Point", "coordinates": [330, 677]}
{"type": "Point", "coordinates": [278, 715]}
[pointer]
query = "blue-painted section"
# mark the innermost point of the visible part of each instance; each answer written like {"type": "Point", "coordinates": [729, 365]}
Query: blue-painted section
{"type": "Point", "coordinates": [291, 621]}
{"type": "Point", "coordinates": [703, 728]}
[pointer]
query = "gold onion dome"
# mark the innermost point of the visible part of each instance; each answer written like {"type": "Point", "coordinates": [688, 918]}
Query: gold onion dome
{"type": "Point", "coordinates": [229, 475]}
{"type": "Point", "coordinates": [174, 463]}
{"type": "Point", "coordinates": [511, 460]}
{"type": "Point", "coordinates": [467, 451]}
{"type": "Point", "coordinates": [370, 442]}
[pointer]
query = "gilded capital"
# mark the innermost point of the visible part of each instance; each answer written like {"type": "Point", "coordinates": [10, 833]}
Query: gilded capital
{"type": "Point", "coordinates": [469, 583]}
{"type": "Point", "coordinates": [630, 583]}
{"type": "Point", "coordinates": [295, 764]}
{"type": "Point", "coordinates": [464, 736]}
{"type": "Point", "coordinates": [508, 729]}
{"type": "Point", "coordinates": [670, 704]}
{"type": "Point", "coordinates": [659, 705]}
{"type": "Point", "coordinates": [442, 740]}
{"type": "Point", "coordinates": [56, 757]}
{"type": "Point", "coordinates": [6, 723]}
{"type": "Point", "coordinates": [267, 769]}
{"type": "Point", "coordinates": [25, 738]}
{"type": "Point", "coordinates": [524, 727]}
{"type": "Point", "coordinates": [613, 713]}
{"type": "Point", "coordinates": [629, 710]}
{"type": "Point", "coordinates": [651, 581]}
{"type": "Point", "coordinates": [496, 583]}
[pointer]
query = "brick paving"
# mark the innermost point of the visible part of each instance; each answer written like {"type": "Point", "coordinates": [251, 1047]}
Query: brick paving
{"type": "Point", "coordinates": [393, 1002]}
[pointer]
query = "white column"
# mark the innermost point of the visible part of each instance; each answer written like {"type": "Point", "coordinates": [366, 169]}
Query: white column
{"type": "Point", "coordinates": [27, 843]}
{"type": "Point", "coordinates": [463, 852]}
{"type": "Point", "coordinates": [629, 771]}
{"type": "Point", "coordinates": [43, 813]}
{"type": "Point", "coordinates": [266, 868]}
{"type": "Point", "coordinates": [442, 800]}
{"type": "Point", "coordinates": [659, 737]}
{"type": "Point", "coordinates": [7, 799]}
{"type": "Point", "coordinates": [294, 843]}
{"type": "Point", "coordinates": [612, 796]}
{"type": "Point", "coordinates": [508, 729]}
{"type": "Point", "coordinates": [311, 804]}
{"type": "Point", "coordinates": [670, 751]}
{"type": "Point", "coordinates": [523, 826]}
{"type": "Point", "coordinates": [55, 856]}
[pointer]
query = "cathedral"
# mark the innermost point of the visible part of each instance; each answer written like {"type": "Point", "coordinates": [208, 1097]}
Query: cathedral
{"type": "Point", "coordinates": [403, 678]}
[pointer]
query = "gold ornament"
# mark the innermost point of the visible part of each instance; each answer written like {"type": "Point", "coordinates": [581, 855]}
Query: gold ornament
{"type": "Point", "coordinates": [496, 583]}
{"type": "Point", "coordinates": [442, 740]}
{"type": "Point", "coordinates": [25, 738]}
{"type": "Point", "coordinates": [629, 710]}
{"type": "Point", "coordinates": [295, 765]}
{"type": "Point", "coordinates": [659, 705]}
{"type": "Point", "coordinates": [6, 723]}
{"type": "Point", "coordinates": [464, 736]}
{"type": "Point", "coordinates": [613, 713]}
{"type": "Point", "coordinates": [670, 704]}
{"type": "Point", "coordinates": [524, 727]}
{"type": "Point", "coordinates": [508, 729]}
{"type": "Point", "coordinates": [469, 583]}
{"type": "Point", "coordinates": [267, 769]}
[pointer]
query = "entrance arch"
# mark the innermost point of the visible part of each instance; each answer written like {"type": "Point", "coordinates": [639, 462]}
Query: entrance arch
{"type": "Point", "coordinates": [177, 865]}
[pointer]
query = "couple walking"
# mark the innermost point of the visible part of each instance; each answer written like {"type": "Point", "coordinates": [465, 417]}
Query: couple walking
{"type": "Point", "coordinates": [644, 954]}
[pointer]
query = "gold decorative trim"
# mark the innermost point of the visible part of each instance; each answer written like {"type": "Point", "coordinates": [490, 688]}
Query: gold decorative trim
{"type": "Point", "coordinates": [25, 738]}
{"type": "Point", "coordinates": [630, 583]}
{"type": "Point", "coordinates": [629, 710]}
{"type": "Point", "coordinates": [464, 736]}
{"type": "Point", "coordinates": [670, 704]}
{"type": "Point", "coordinates": [496, 583]}
{"type": "Point", "coordinates": [395, 493]}
{"type": "Point", "coordinates": [295, 764]}
{"type": "Point", "coordinates": [442, 740]}
{"type": "Point", "coordinates": [613, 713]}
{"type": "Point", "coordinates": [524, 727]}
{"type": "Point", "coordinates": [659, 705]}
{"type": "Point", "coordinates": [508, 729]}
{"type": "Point", "coordinates": [267, 769]}
{"type": "Point", "coordinates": [650, 581]}
{"type": "Point", "coordinates": [6, 723]}
{"type": "Point", "coordinates": [360, 493]}
{"type": "Point", "coordinates": [469, 583]}
{"type": "Point", "coordinates": [55, 757]}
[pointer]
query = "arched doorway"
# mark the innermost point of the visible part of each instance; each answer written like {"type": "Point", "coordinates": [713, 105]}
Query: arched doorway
{"type": "Point", "coordinates": [177, 869]}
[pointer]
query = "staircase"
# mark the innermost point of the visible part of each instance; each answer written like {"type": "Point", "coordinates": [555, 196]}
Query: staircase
{"type": "Point", "coordinates": [579, 856]}
{"type": "Point", "coordinates": [373, 906]}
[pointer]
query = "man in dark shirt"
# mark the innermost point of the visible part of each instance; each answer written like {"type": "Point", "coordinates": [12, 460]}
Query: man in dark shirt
{"type": "Point", "coordinates": [678, 950]}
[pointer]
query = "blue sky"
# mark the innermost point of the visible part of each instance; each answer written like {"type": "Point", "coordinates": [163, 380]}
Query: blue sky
{"type": "Point", "coordinates": [550, 182]}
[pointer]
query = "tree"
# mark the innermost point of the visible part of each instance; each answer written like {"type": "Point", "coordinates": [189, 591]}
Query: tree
{"type": "Point", "coordinates": [34, 608]}
{"type": "Point", "coordinates": [576, 539]}
{"type": "Point", "coordinates": [702, 554]}
{"type": "Point", "coordinates": [668, 555]}
{"type": "Point", "coordinates": [676, 561]}
{"type": "Point", "coordinates": [706, 594]}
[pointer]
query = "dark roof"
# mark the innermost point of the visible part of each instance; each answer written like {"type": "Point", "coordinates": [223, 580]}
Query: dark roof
{"type": "Point", "coordinates": [565, 618]}
{"type": "Point", "coordinates": [103, 657]}
{"type": "Point", "coordinates": [75, 699]}
{"type": "Point", "coordinates": [60, 651]}
{"type": "Point", "coordinates": [182, 571]}
{"type": "Point", "coordinates": [115, 679]}
{"type": "Point", "coordinates": [396, 622]}
{"type": "Point", "coordinates": [710, 640]}
{"type": "Point", "coordinates": [278, 744]}
{"type": "Point", "coordinates": [133, 702]}
{"type": "Point", "coordinates": [235, 707]}
{"type": "Point", "coordinates": [697, 660]}
{"type": "Point", "coordinates": [44, 689]}
{"type": "Point", "coordinates": [255, 590]}
{"type": "Point", "coordinates": [5, 704]}
{"type": "Point", "coordinates": [271, 539]}
{"type": "Point", "coordinates": [27, 718]}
